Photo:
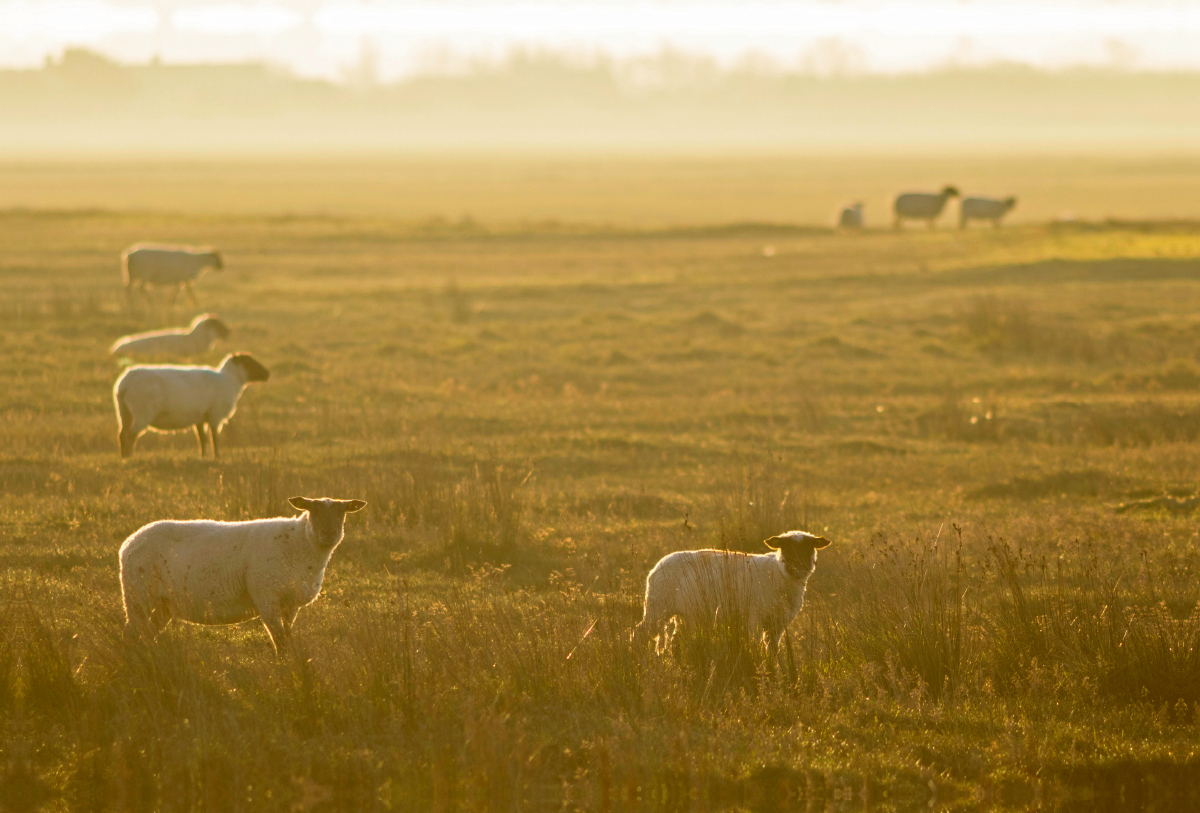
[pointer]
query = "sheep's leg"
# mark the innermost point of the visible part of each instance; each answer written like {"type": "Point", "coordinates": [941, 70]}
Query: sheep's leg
{"type": "Point", "coordinates": [772, 641]}
{"type": "Point", "coordinates": [137, 620]}
{"type": "Point", "coordinates": [128, 439]}
{"type": "Point", "coordinates": [212, 430]}
{"type": "Point", "coordinates": [160, 616]}
{"type": "Point", "coordinates": [191, 294]}
{"type": "Point", "coordinates": [145, 616]}
{"type": "Point", "coordinates": [201, 437]}
{"type": "Point", "coordinates": [281, 635]}
{"type": "Point", "coordinates": [654, 615]}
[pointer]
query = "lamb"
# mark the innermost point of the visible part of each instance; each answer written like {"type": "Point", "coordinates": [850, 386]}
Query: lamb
{"type": "Point", "coordinates": [984, 209]}
{"type": "Point", "coordinates": [194, 340]}
{"type": "Point", "coordinates": [764, 591]}
{"type": "Point", "coordinates": [208, 572]}
{"type": "Point", "coordinates": [922, 205]}
{"type": "Point", "coordinates": [851, 217]}
{"type": "Point", "coordinates": [147, 263]}
{"type": "Point", "coordinates": [169, 397]}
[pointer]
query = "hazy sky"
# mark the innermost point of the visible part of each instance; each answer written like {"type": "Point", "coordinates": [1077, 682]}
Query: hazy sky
{"type": "Point", "coordinates": [393, 38]}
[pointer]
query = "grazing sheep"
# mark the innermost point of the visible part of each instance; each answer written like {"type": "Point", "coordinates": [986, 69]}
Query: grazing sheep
{"type": "Point", "coordinates": [194, 340]}
{"type": "Point", "coordinates": [150, 264]}
{"type": "Point", "coordinates": [851, 217]}
{"type": "Point", "coordinates": [168, 397]}
{"type": "Point", "coordinates": [922, 205]}
{"type": "Point", "coordinates": [209, 572]}
{"type": "Point", "coordinates": [765, 591]}
{"type": "Point", "coordinates": [984, 209]}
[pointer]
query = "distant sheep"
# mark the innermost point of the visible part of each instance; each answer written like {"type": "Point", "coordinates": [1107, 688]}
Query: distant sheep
{"type": "Point", "coordinates": [171, 397]}
{"type": "Point", "coordinates": [209, 572]}
{"type": "Point", "coordinates": [194, 340]}
{"type": "Point", "coordinates": [984, 209]}
{"type": "Point", "coordinates": [764, 591]}
{"type": "Point", "coordinates": [160, 265]}
{"type": "Point", "coordinates": [851, 217]}
{"type": "Point", "coordinates": [922, 205]}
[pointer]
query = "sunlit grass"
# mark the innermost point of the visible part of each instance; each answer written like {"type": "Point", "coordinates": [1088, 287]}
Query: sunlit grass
{"type": "Point", "coordinates": [535, 419]}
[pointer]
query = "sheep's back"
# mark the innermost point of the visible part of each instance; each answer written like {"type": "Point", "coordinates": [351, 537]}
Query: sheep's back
{"type": "Point", "coordinates": [202, 565]}
{"type": "Point", "coordinates": [984, 207]}
{"type": "Point", "coordinates": [161, 341]}
{"type": "Point", "coordinates": [919, 204]}
{"type": "Point", "coordinates": [164, 265]}
{"type": "Point", "coordinates": [169, 397]}
{"type": "Point", "coordinates": [701, 581]}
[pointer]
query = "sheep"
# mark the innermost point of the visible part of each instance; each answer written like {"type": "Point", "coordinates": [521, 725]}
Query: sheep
{"type": "Point", "coordinates": [209, 572]}
{"type": "Point", "coordinates": [765, 591]}
{"type": "Point", "coordinates": [984, 209]}
{"type": "Point", "coordinates": [147, 263]}
{"type": "Point", "coordinates": [851, 217]}
{"type": "Point", "coordinates": [194, 340]}
{"type": "Point", "coordinates": [169, 397]}
{"type": "Point", "coordinates": [922, 205]}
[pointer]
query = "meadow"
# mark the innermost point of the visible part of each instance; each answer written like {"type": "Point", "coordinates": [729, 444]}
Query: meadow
{"type": "Point", "coordinates": [997, 428]}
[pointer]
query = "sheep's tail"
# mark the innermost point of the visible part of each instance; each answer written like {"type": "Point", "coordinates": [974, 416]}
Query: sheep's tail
{"type": "Point", "coordinates": [125, 267]}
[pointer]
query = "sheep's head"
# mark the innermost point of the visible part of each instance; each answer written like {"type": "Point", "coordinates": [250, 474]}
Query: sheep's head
{"type": "Point", "coordinates": [1010, 202]}
{"type": "Point", "coordinates": [218, 263]}
{"type": "Point", "coordinates": [251, 369]}
{"type": "Point", "coordinates": [949, 192]}
{"type": "Point", "coordinates": [327, 517]}
{"type": "Point", "coordinates": [211, 323]}
{"type": "Point", "coordinates": [798, 551]}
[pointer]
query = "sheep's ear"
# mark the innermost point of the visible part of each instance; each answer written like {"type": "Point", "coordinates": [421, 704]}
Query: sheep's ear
{"type": "Point", "coordinates": [767, 542]}
{"type": "Point", "coordinates": [819, 542]}
{"type": "Point", "coordinates": [354, 505]}
{"type": "Point", "coordinates": [300, 504]}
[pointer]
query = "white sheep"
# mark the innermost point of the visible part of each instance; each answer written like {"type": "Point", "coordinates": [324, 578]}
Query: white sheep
{"type": "Point", "coordinates": [851, 217]}
{"type": "Point", "coordinates": [209, 572]}
{"type": "Point", "coordinates": [193, 340]}
{"type": "Point", "coordinates": [922, 205]}
{"type": "Point", "coordinates": [170, 397]}
{"type": "Point", "coordinates": [762, 591]}
{"type": "Point", "coordinates": [984, 209]}
{"type": "Point", "coordinates": [150, 264]}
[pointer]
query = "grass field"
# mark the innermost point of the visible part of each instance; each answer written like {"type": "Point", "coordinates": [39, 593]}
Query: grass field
{"type": "Point", "coordinates": [536, 412]}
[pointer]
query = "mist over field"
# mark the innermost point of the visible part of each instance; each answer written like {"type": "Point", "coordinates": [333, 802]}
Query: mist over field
{"type": "Point", "coordinates": [85, 104]}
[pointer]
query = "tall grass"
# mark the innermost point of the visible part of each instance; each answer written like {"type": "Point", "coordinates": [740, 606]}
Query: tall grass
{"type": "Point", "coordinates": [485, 698]}
{"type": "Point", "coordinates": [471, 646]}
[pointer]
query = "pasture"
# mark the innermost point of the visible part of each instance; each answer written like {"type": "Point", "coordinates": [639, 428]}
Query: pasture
{"type": "Point", "coordinates": [536, 408]}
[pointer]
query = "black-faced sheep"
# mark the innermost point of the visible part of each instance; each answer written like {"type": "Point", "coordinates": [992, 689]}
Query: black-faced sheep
{"type": "Point", "coordinates": [170, 397]}
{"type": "Point", "coordinates": [160, 265]}
{"type": "Point", "coordinates": [922, 205]}
{"type": "Point", "coordinates": [209, 572]}
{"type": "Point", "coordinates": [764, 591]}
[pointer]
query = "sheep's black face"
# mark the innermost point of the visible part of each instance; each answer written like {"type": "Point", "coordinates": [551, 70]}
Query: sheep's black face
{"type": "Point", "coordinates": [798, 551]}
{"type": "Point", "coordinates": [217, 326]}
{"type": "Point", "coordinates": [218, 263]}
{"type": "Point", "coordinates": [327, 517]}
{"type": "Point", "coordinates": [253, 370]}
{"type": "Point", "coordinates": [799, 559]}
